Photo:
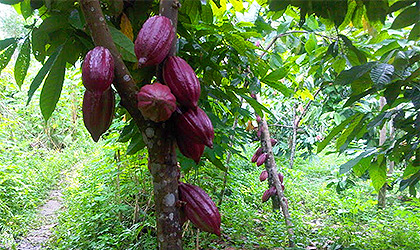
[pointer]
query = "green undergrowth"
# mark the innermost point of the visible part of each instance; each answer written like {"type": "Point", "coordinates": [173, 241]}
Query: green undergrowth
{"type": "Point", "coordinates": [109, 205]}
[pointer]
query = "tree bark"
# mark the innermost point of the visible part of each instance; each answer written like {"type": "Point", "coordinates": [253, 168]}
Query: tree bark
{"type": "Point", "coordinates": [382, 138]}
{"type": "Point", "coordinates": [273, 179]}
{"type": "Point", "coordinates": [157, 136]}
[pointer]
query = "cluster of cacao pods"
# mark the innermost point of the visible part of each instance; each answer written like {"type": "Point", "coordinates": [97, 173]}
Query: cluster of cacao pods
{"type": "Point", "coordinates": [98, 100]}
{"type": "Point", "coordinates": [199, 208]}
{"type": "Point", "coordinates": [157, 102]}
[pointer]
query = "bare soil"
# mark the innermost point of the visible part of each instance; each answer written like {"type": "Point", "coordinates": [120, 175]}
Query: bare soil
{"type": "Point", "coordinates": [38, 237]}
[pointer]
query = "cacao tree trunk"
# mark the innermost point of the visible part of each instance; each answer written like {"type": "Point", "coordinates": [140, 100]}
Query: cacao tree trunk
{"type": "Point", "coordinates": [273, 179]}
{"type": "Point", "coordinates": [158, 137]}
{"type": "Point", "coordinates": [382, 138]}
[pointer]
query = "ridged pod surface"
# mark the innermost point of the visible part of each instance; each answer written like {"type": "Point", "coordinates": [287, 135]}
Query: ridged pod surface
{"type": "Point", "coordinates": [268, 193]}
{"type": "Point", "coordinates": [182, 80]}
{"type": "Point", "coordinates": [273, 142]}
{"type": "Point", "coordinates": [196, 125]}
{"type": "Point", "coordinates": [281, 177]}
{"type": "Point", "coordinates": [154, 41]}
{"type": "Point", "coordinates": [199, 208]}
{"type": "Point", "coordinates": [261, 159]}
{"type": "Point", "coordinates": [256, 154]}
{"type": "Point", "coordinates": [156, 102]}
{"type": "Point", "coordinates": [98, 70]}
{"type": "Point", "coordinates": [263, 175]}
{"type": "Point", "coordinates": [189, 148]}
{"type": "Point", "coordinates": [98, 110]}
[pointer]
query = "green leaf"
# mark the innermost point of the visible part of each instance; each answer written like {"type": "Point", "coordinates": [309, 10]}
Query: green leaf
{"type": "Point", "coordinates": [206, 13]}
{"type": "Point", "coordinates": [42, 73]}
{"type": "Point", "coordinates": [258, 107]}
{"type": "Point", "coordinates": [128, 131]}
{"type": "Point", "coordinates": [6, 55]}
{"type": "Point", "coordinates": [310, 45]}
{"type": "Point", "coordinates": [382, 73]}
{"type": "Point", "coordinates": [334, 132]}
{"type": "Point", "coordinates": [415, 32]}
{"type": "Point", "coordinates": [51, 90]}
{"type": "Point", "coordinates": [276, 75]}
{"type": "Point", "coordinates": [209, 154]}
{"type": "Point", "coordinates": [387, 48]}
{"type": "Point", "coordinates": [360, 168]}
{"type": "Point", "coordinates": [237, 5]}
{"type": "Point", "coordinates": [6, 42]}
{"type": "Point", "coordinates": [136, 144]}
{"type": "Point", "coordinates": [348, 131]}
{"type": "Point", "coordinates": [237, 42]}
{"type": "Point", "coordinates": [26, 8]}
{"type": "Point", "coordinates": [22, 62]}
{"type": "Point", "coordinates": [344, 168]}
{"type": "Point", "coordinates": [377, 172]}
{"type": "Point", "coordinates": [348, 76]}
{"type": "Point", "coordinates": [280, 87]}
{"type": "Point", "coordinates": [124, 44]}
{"type": "Point", "coordinates": [10, 2]}
{"type": "Point", "coordinates": [407, 17]}
{"type": "Point", "coordinates": [191, 8]}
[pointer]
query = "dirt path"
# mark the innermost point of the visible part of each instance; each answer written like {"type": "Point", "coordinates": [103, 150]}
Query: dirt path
{"type": "Point", "coordinates": [38, 237]}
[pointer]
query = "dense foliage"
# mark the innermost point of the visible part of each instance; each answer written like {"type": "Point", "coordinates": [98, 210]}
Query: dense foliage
{"type": "Point", "coordinates": [321, 68]}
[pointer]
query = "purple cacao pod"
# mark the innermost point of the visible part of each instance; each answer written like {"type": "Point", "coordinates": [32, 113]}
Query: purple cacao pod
{"type": "Point", "coordinates": [189, 148]}
{"type": "Point", "coordinates": [263, 175]}
{"type": "Point", "coordinates": [182, 80]}
{"type": "Point", "coordinates": [256, 154]}
{"type": "Point", "coordinates": [281, 177]}
{"type": "Point", "coordinates": [98, 69]}
{"type": "Point", "coordinates": [258, 118]}
{"type": "Point", "coordinates": [286, 202]}
{"type": "Point", "coordinates": [196, 125]}
{"type": "Point", "coordinates": [154, 41]}
{"type": "Point", "coordinates": [273, 142]}
{"type": "Point", "coordinates": [199, 208]}
{"type": "Point", "coordinates": [98, 110]}
{"type": "Point", "coordinates": [268, 193]}
{"type": "Point", "coordinates": [156, 102]}
{"type": "Point", "coordinates": [261, 159]}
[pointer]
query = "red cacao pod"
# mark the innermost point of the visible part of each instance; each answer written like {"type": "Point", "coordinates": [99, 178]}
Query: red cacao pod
{"type": "Point", "coordinates": [261, 159]}
{"type": "Point", "coordinates": [98, 110]}
{"type": "Point", "coordinates": [256, 154]}
{"type": "Point", "coordinates": [199, 208]}
{"type": "Point", "coordinates": [182, 80]}
{"type": "Point", "coordinates": [196, 125]}
{"type": "Point", "coordinates": [273, 142]}
{"type": "Point", "coordinates": [98, 69]}
{"type": "Point", "coordinates": [189, 148]}
{"type": "Point", "coordinates": [156, 102]}
{"type": "Point", "coordinates": [281, 177]}
{"type": "Point", "coordinates": [268, 193]}
{"type": "Point", "coordinates": [154, 41]}
{"type": "Point", "coordinates": [263, 175]}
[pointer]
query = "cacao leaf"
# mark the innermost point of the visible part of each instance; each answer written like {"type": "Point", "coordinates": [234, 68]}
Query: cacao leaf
{"type": "Point", "coordinates": [344, 168]}
{"type": "Point", "coordinates": [377, 172]}
{"type": "Point", "coordinates": [6, 42]}
{"type": "Point", "coordinates": [22, 62]}
{"type": "Point", "coordinates": [26, 9]}
{"type": "Point", "coordinates": [124, 44]}
{"type": "Point", "coordinates": [415, 32]}
{"type": "Point", "coordinates": [36, 82]}
{"type": "Point", "coordinates": [407, 17]}
{"type": "Point", "coordinates": [382, 73]}
{"type": "Point", "coordinates": [128, 131]}
{"type": "Point", "coordinates": [76, 20]}
{"type": "Point", "coordinates": [136, 144]}
{"type": "Point", "coordinates": [10, 2]}
{"type": "Point", "coordinates": [6, 56]}
{"type": "Point", "coordinates": [348, 76]}
{"type": "Point", "coordinates": [51, 91]}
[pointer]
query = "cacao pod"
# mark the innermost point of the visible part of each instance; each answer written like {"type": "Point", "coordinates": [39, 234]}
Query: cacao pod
{"type": "Point", "coordinates": [281, 177]}
{"type": "Point", "coordinates": [273, 142]}
{"type": "Point", "coordinates": [259, 132]}
{"type": "Point", "coordinates": [286, 202]}
{"type": "Point", "coordinates": [156, 102]}
{"type": "Point", "coordinates": [268, 193]}
{"type": "Point", "coordinates": [154, 41]}
{"type": "Point", "coordinates": [261, 159]}
{"type": "Point", "coordinates": [263, 175]}
{"type": "Point", "coordinates": [182, 80]}
{"type": "Point", "coordinates": [98, 110]}
{"type": "Point", "coordinates": [199, 208]}
{"type": "Point", "coordinates": [258, 118]}
{"type": "Point", "coordinates": [256, 154]}
{"type": "Point", "coordinates": [98, 70]}
{"type": "Point", "coordinates": [196, 125]}
{"type": "Point", "coordinates": [189, 148]}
